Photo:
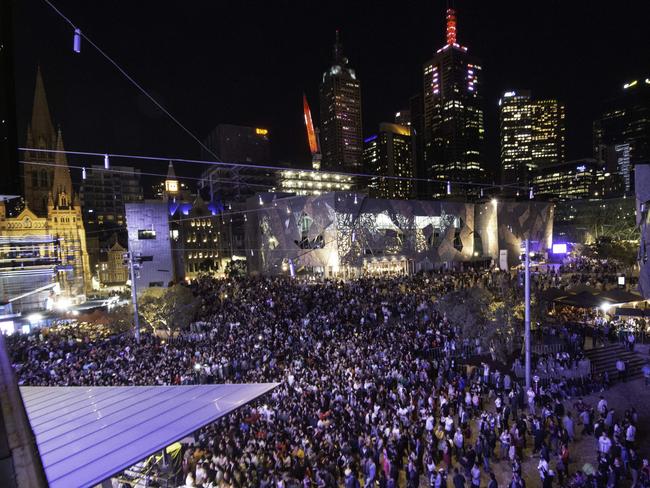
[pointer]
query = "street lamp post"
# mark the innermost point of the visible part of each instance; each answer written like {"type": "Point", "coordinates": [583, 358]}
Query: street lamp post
{"type": "Point", "coordinates": [527, 312]}
{"type": "Point", "coordinates": [135, 262]}
{"type": "Point", "coordinates": [134, 298]}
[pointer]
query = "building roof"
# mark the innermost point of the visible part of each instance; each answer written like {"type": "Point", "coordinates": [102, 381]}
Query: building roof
{"type": "Point", "coordinates": [88, 434]}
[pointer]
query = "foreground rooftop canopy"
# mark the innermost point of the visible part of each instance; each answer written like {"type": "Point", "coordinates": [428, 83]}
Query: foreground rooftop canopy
{"type": "Point", "coordinates": [88, 434]}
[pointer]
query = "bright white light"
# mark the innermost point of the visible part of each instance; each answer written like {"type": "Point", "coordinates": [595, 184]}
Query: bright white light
{"type": "Point", "coordinates": [25, 329]}
{"type": "Point", "coordinates": [605, 307]}
{"type": "Point", "coordinates": [7, 327]}
{"type": "Point", "coordinates": [509, 94]}
{"type": "Point", "coordinates": [197, 366]}
{"type": "Point", "coordinates": [34, 318]}
{"type": "Point", "coordinates": [494, 202]}
{"type": "Point", "coordinates": [63, 304]}
{"type": "Point", "coordinates": [559, 248]}
{"type": "Point", "coordinates": [621, 280]}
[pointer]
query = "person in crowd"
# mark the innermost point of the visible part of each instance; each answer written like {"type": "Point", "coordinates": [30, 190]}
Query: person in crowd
{"type": "Point", "coordinates": [371, 391]}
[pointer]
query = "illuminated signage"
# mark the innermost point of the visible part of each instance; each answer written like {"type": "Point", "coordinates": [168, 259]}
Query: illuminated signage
{"type": "Point", "coordinates": [582, 168]}
{"type": "Point", "coordinates": [171, 186]}
{"type": "Point", "coordinates": [509, 94]}
{"type": "Point", "coordinates": [559, 248]}
{"type": "Point", "coordinates": [261, 132]}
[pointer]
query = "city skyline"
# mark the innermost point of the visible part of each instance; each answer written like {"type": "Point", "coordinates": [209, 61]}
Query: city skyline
{"type": "Point", "coordinates": [136, 127]}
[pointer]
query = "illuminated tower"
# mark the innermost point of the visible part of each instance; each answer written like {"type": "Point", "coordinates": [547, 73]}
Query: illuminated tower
{"type": "Point", "coordinates": [340, 104]}
{"type": "Point", "coordinates": [452, 123]}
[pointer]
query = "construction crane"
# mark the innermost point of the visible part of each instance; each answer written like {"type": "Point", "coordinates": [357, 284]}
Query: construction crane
{"type": "Point", "coordinates": [312, 135]}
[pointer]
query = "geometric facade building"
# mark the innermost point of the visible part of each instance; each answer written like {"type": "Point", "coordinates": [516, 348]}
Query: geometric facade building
{"type": "Point", "coordinates": [643, 222]}
{"type": "Point", "coordinates": [343, 234]}
{"type": "Point", "coordinates": [149, 235]}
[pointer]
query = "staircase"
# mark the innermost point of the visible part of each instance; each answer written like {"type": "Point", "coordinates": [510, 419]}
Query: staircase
{"type": "Point", "coordinates": [604, 359]}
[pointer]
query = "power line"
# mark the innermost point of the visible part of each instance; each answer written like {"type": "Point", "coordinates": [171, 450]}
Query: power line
{"type": "Point", "coordinates": [128, 77]}
{"type": "Point", "coordinates": [112, 170]}
{"type": "Point", "coordinates": [275, 168]}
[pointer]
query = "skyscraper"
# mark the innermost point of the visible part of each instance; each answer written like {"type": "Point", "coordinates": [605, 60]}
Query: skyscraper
{"type": "Point", "coordinates": [103, 194]}
{"type": "Point", "coordinates": [238, 144]}
{"type": "Point", "coordinates": [516, 127]}
{"type": "Point", "coordinates": [388, 153]}
{"type": "Point", "coordinates": [532, 136]}
{"type": "Point", "coordinates": [452, 128]}
{"type": "Point", "coordinates": [549, 132]}
{"type": "Point", "coordinates": [623, 130]}
{"type": "Point", "coordinates": [340, 112]}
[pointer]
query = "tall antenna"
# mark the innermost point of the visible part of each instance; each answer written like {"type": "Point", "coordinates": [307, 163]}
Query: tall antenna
{"type": "Point", "coordinates": [338, 52]}
{"type": "Point", "coordinates": [451, 26]}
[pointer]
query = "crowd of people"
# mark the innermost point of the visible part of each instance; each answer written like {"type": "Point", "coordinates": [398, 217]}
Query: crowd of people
{"type": "Point", "coordinates": [362, 401]}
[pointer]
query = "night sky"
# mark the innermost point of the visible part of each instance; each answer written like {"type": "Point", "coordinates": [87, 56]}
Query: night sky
{"type": "Point", "coordinates": [248, 63]}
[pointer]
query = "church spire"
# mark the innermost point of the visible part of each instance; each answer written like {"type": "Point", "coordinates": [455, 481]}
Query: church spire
{"type": "Point", "coordinates": [41, 127]}
{"type": "Point", "coordinates": [61, 182]}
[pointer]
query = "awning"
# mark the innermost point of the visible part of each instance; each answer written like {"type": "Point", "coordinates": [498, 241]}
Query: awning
{"type": "Point", "coordinates": [583, 299]}
{"type": "Point", "coordinates": [88, 434]}
{"type": "Point", "coordinates": [618, 295]}
{"type": "Point", "coordinates": [632, 312]}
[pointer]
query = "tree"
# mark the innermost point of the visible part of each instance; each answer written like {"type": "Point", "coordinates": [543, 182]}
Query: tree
{"type": "Point", "coordinates": [605, 247]}
{"type": "Point", "coordinates": [168, 309]}
{"type": "Point", "coordinates": [482, 315]}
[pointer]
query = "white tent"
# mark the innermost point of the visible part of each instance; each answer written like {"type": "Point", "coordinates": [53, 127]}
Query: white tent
{"type": "Point", "coordinates": [88, 434]}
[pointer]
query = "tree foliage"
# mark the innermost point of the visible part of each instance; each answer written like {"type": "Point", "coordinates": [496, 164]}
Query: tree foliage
{"type": "Point", "coordinates": [485, 316]}
{"type": "Point", "coordinates": [625, 251]}
{"type": "Point", "coordinates": [168, 309]}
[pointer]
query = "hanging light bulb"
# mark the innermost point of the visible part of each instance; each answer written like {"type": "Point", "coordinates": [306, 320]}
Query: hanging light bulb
{"type": "Point", "coordinates": [481, 192]}
{"type": "Point", "coordinates": [449, 188]}
{"type": "Point", "coordinates": [261, 201]}
{"type": "Point", "coordinates": [531, 194]}
{"type": "Point", "coordinates": [83, 173]}
{"type": "Point", "coordinates": [76, 45]}
{"type": "Point", "coordinates": [288, 210]}
{"type": "Point", "coordinates": [355, 199]}
{"type": "Point", "coordinates": [107, 162]}
{"type": "Point", "coordinates": [245, 218]}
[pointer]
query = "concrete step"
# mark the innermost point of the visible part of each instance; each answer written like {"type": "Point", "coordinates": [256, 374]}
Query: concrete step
{"type": "Point", "coordinates": [604, 359]}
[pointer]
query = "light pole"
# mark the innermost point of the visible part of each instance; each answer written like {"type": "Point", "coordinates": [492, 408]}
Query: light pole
{"type": "Point", "coordinates": [135, 262]}
{"type": "Point", "coordinates": [527, 312]}
{"type": "Point", "coordinates": [134, 298]}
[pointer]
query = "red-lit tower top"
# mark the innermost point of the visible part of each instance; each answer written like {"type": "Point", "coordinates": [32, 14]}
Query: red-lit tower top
{"type": "Point", "coordinates": [451, 26]}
